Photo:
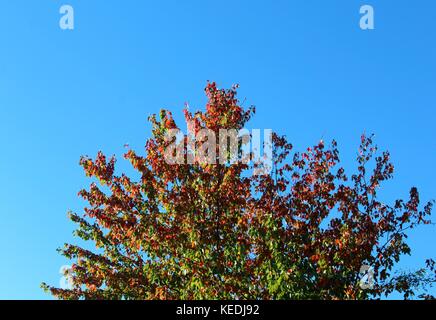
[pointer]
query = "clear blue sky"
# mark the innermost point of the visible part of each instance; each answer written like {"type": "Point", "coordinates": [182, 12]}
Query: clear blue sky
{"type": "Point", "coordinates": [305, 64]}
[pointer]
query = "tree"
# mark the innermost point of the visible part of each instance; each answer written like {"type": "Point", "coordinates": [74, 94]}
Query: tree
{"type": "Point", "coordinates": [215, 231]}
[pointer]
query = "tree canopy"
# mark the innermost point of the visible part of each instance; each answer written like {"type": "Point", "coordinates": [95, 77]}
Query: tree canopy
{"type": "Point", "coordinates": [197, 230]}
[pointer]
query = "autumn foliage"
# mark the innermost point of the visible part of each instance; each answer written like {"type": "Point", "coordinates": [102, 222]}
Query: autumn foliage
{"type": "Point", "coordinates": [203, 231]}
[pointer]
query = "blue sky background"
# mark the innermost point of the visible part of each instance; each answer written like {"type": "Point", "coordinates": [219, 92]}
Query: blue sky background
{"type": "Point", "coordinates": [305, 64]}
